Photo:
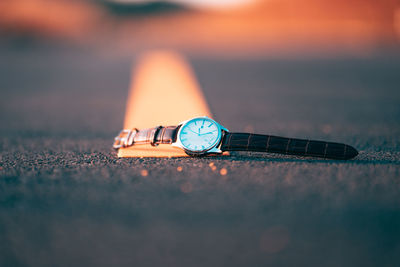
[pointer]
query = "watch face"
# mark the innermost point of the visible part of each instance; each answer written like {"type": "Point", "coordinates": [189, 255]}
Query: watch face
{"type": "Point", "coordinates": [200, 134]}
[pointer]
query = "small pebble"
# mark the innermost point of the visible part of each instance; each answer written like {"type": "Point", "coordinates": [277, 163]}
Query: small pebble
{"type": "Point", "coordinates": [223, 171]}
{"type": "Point", "coordinates": [212, 166]}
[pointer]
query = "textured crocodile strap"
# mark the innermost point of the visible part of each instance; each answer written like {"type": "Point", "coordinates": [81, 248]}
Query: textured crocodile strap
{"type": "Point", "coordinates": [282, 145]}
{"type": "Point", "coordinates": [153, 136]}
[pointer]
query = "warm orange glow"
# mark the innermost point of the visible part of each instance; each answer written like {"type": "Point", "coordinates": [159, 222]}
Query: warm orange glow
{"type": "Point", "coordinates": [266, 27]}
{"type": "Point", "coordinates": [56, 18]}
{"type": "Point", "coordinates": [396, 22]}
{"type": "Point", "coordinates": [164, 91]}
{"type": "Point", "coordinates": [212, 4]}
{"type": "Point", "coordinates": [212, 166]}
{"type": "Point", "coordinates": [223, 171]}
{"type": "Point", "coordinates": [273, 27]}
{"type": "Point", "coordinates": [206, 4]}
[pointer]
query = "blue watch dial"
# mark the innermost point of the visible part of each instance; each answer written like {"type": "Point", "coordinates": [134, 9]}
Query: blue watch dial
{"type": "Point", "coordinates": [200, 134]}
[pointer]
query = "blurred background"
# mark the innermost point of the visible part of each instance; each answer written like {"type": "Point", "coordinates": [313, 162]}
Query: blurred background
{"type": "Point", "coordinates": [229, 28]}
{"type": "Point", "coordinates": [272, 51]}
{"type": "Point", "coordinates": [300, 68]}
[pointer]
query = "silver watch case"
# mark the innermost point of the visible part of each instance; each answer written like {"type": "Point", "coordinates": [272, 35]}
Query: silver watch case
{"type": "Point", "coordinates": [213, 150]}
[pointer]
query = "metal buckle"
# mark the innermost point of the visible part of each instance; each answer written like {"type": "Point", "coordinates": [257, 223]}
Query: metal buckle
{"type": "Point", "coordinates": [124, 138]}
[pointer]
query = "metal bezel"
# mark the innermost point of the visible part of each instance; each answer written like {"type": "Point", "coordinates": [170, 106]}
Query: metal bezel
{"type": "Point", "coordinates": [213, 149]}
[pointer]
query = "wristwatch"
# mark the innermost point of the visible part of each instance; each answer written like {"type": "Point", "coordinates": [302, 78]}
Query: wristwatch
{"type": "Point", "coordinates": [203, 136]}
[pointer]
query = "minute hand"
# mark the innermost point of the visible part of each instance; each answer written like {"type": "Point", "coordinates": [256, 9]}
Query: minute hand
{"type": "Point", "coordinates": [283, 145]}
{"type": "Point", "coordinates": [206, 133]}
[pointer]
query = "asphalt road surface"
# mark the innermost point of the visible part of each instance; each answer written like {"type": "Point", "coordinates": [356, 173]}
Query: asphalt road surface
{"type": "Point", "coordinates": [67, 200]}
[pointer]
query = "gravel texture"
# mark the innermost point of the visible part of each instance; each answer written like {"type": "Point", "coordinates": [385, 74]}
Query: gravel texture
{"type": "Point", "coordinates": [67, 200]}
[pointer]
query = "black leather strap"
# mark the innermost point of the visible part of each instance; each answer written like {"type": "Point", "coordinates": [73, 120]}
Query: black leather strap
{"type": "Point", "coordinates": [283, 145]}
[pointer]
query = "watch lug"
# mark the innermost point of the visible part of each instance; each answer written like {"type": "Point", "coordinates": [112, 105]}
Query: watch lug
{"type": "Point", "coordinates": [223, 128]}
{"type": "Point", "coordinates": [214, 150]}
{"type": "Point", "coordinates": [177, 144]}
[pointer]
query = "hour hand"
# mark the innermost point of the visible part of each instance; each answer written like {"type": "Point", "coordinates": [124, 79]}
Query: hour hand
{"type": "Point", "coordinates": [193, 131]}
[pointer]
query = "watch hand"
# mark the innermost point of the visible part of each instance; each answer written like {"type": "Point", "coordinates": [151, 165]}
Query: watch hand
{"type": "Point", "coordinates": [194, 132]}
{"type": "Point", "coordinates": [208, 132]}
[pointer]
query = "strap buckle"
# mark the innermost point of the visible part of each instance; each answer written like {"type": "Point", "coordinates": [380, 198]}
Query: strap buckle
{"type": "Point", "coordinates": [125, 138]}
